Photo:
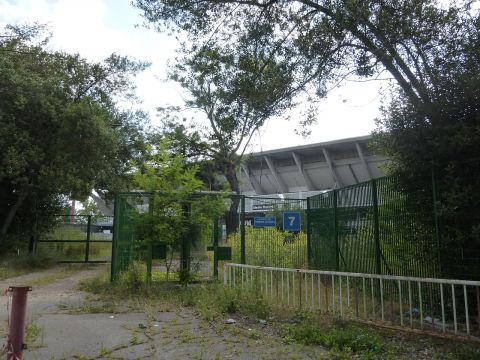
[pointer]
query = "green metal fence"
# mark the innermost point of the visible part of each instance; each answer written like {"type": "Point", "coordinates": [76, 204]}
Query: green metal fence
{"type": "Point", "coordinates": [125, 245]}
{"type": "Point", "coordinates": [377, 227]}
{"type": "Point", "coordinates": [251, 230]}
{"type": "Point", "coordinates": [205, 232]}
{"type": "Point", "coordinates": [270, 239]}
{"type": "Point", "coordinates": [372, 227]}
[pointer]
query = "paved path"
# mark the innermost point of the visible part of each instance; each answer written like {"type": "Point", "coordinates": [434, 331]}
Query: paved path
{"type": "Point", "coordinates": [67, 329]}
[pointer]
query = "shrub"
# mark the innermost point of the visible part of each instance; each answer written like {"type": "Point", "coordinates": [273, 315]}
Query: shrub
{"type": "Point", "coordinates": [271, 247]}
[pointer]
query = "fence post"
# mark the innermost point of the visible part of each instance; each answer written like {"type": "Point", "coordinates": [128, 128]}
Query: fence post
{"type": "Point", "coordinates": [32, 246]}
{"type": "Point", "coordinates": [242, 230]}
{"type": "Point", "coordinates": [16, 333]}
{"type": "Point", "coordinates": [186, 243]}
{"type": "Point", "coordinates": [309, 241]}
{"type": "Point", "coordinates": [215, 247]}
{"type": "Point", "coordinates": [149, 263]}
{"type": "Point", "coordinates": [335, 231]}
{"type": "Point", "coordinates": [376, 228]}
{"type": "Point", "coordinates": [116, 225]}
{"type": "Point", "coordinates": [435, 215]}
{"type": "Point", "coordinates": [87, 244]}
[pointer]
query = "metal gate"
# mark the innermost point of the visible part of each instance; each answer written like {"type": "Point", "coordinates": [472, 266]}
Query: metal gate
{"type": "Point", "coordinates": [78, 239]}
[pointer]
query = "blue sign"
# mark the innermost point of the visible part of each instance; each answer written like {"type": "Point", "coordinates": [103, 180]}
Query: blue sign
{"type": "Point", "coordinates": [291, 221]}
{"type": "Point", "coordinates": [263, 222]}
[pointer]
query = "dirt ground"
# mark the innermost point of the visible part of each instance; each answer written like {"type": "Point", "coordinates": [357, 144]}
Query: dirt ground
{"type": "Point", "coordinates": [63, 325]}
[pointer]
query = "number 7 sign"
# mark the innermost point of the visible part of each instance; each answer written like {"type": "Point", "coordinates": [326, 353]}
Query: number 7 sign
{"type": "Point", "coordinates": [291, 221]}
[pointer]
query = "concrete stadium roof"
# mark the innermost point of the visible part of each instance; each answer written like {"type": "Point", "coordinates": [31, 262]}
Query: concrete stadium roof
{"type": "Point", "coordinates": [311, 168]}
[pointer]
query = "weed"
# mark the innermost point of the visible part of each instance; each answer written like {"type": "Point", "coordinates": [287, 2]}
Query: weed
{"type": "Point", "coordinates": [32, 333]}
{"type": "Point", "coordinates": [464, 353]}
{"type": "Point", "coordinates": [134, 340]}
{"type": "Point", "coordinates": [343, 340]}
{"type": "Point", "coordinates": [291, 253]}
{"type": "Point", "coordinates": [213, 301]}
{"type": "Point", "coordinates": [134, 277]}
{"type": "Point", "coordinates": [19, 264]}
{"type": "Point", "coordinates": [104, 351]}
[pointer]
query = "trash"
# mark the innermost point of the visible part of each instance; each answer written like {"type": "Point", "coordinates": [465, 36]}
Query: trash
{"type": "Point", "coordinates": [111, 316]}
{"type": "Point", "coordinates": [142, 326]}
{"type": "Point", "coordinates": [263, 322]}
{"type": "Point", "coordinates": [156, 325]}
{"type": "Point", "coordinates": [429, 320]}
{"type": "Point", "coordinates": [414, 312]}
{"type": "Point", "coordinates": [230, 321]}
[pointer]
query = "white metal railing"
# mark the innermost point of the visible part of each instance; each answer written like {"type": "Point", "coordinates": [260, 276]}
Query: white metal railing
{"type": "Point", "coordinates": [448, 306]}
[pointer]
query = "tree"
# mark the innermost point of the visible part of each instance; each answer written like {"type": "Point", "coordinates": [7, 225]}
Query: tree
{"type": "Point", "coordinates": [177, 209]}
{"type": "Point", "coordinates": [447, 149]}
{"type": "Point", "coordinates": [61, 131]}
{"type": "Point", "coordinates": [334, 39]}
{"type": "Point", "coordinates": [89, 208]}
{"type": "Point", "coordinates": [428, 49]}
{"type": "Point", "coordinates": [237, 89]}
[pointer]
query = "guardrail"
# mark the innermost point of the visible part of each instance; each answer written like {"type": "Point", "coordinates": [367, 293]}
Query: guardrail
{"type": "Point", "coordinates": [441, 305]}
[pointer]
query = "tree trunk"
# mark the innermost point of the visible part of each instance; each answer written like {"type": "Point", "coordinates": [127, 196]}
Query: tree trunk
{"type": "Point", "coordinates": [232, 220]}
{"type": "Point", "coordinates": [12, 212]}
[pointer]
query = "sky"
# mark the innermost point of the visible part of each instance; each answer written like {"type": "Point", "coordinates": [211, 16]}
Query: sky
{"type": "Point", "coordinates": [97, 28]}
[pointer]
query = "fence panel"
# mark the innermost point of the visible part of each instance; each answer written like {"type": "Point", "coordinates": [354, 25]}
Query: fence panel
{"type": "Point", "coordinates": [321, 230]}
{"type": "Point", "coordinates": [78, 238]}
{"type": "Point", "coordinates": [356, 224]}
{"type": "Point", "coordinates": [374, 227]}
{"type": "Point", "coordinates": [275, 233]}
{"type": "Point", "coordinates": [182, 242]}
{"type": "Point", "coordinates": [125, 246]}
{"type": "Point", "coordinates": [428, 304]}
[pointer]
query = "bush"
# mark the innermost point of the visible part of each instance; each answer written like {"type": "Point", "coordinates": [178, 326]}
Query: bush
{"type": "Point", "coordinates": [271, 247]}
{"type": "Point", "coordinates": [135, 276]}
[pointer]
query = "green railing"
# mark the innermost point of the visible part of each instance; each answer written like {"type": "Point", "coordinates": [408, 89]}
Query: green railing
{"type": "Point", "coordinates": [375, 227]}
{"type": "Point", "coordinates": [372, 227]}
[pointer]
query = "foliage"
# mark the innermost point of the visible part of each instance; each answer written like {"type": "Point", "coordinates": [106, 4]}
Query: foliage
{"type": "Point", "coordinates": [271, 247]}
{"type": "Point", "coordinates": [177, 211]}
{"type": "Point", "coordinates": [61, 131]}
{"type": "Point", "coordinates": [429, 49]}
{"type": "Point", "coordinates": [89, 208]}
{"type": "Point", "coordinates": [12, 265]}
{"type": "Point", "coordinates": [342, 341]}
{"type": "Point", "coordinates": [323, 42]}
{"type": "Point", "coordinates": [442, 143]}
{"type": "Point", "coordinates": [237, 89]}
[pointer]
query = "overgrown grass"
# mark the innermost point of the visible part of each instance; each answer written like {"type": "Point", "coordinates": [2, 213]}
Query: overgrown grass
{"type": "Point", "coordinates": [12, 265]}
{"type": "Point", "coordinates": [76, 251]}
{"type": "Point", "coordinates": [69, 250]}
{"type": "Point", "coordinates": [213, 302]}
{"type": "Point", "coordinates": [210, 300]}
{"type": "Point", "coordinates": [342, 339]}
{"type": "Point", "coordinates": [33, 335]}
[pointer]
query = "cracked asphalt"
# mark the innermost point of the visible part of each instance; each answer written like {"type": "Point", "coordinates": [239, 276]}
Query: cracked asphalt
{"type": "Point", "coordinates": [66, 326]}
